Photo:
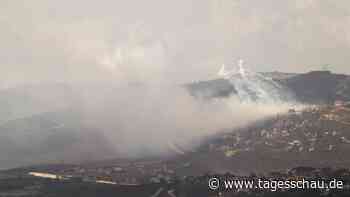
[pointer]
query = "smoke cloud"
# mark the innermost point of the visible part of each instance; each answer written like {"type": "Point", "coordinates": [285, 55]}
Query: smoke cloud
{"type": "Point", "coordinates": [125, 62]}
{"type": "Point", "coordinates": [105, 121]}
{"type": "Point", "coordinates": [144, 120]}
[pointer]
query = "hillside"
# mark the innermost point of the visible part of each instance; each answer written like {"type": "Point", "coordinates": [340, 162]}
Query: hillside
{"type": "Point", "coordinates": [316, 87]}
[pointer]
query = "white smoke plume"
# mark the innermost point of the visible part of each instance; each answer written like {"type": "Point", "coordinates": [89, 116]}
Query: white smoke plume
{"type": "Point", "coordinates": [255, 87]}
{"type": "Point", "coordinates": [141, 121]}
{"type": "Point", "coordinates": [153, 118]}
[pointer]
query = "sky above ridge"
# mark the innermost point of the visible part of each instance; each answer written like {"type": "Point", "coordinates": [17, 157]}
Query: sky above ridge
{"type": "Point", "coordinates": [163, 39]}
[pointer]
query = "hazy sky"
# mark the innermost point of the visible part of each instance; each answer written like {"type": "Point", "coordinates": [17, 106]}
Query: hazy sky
{"type": "Point", "coordinates": [178, 40]}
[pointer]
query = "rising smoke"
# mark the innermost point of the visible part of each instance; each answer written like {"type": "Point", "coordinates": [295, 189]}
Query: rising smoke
{"type": "Point", "coordinates": [149, 118]}
{"type": "Point", "coordinates": [125, 66]}
{"type": "Point", "coordinates": [255, 87]}
{"type": "Point", "coordinates": [159, 118]}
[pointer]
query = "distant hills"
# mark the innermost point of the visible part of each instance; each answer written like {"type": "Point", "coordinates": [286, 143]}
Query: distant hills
{"type": "Point", "coordinates": [319, 87]}
{"type": "Point", "coordinates": [35, 126]}
{"type": "Point", "coordinates": [315, 87]}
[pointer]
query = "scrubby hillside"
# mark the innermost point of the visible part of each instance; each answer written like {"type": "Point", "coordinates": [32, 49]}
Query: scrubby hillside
{"type": "Point", "coordinates": [316, 87]}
